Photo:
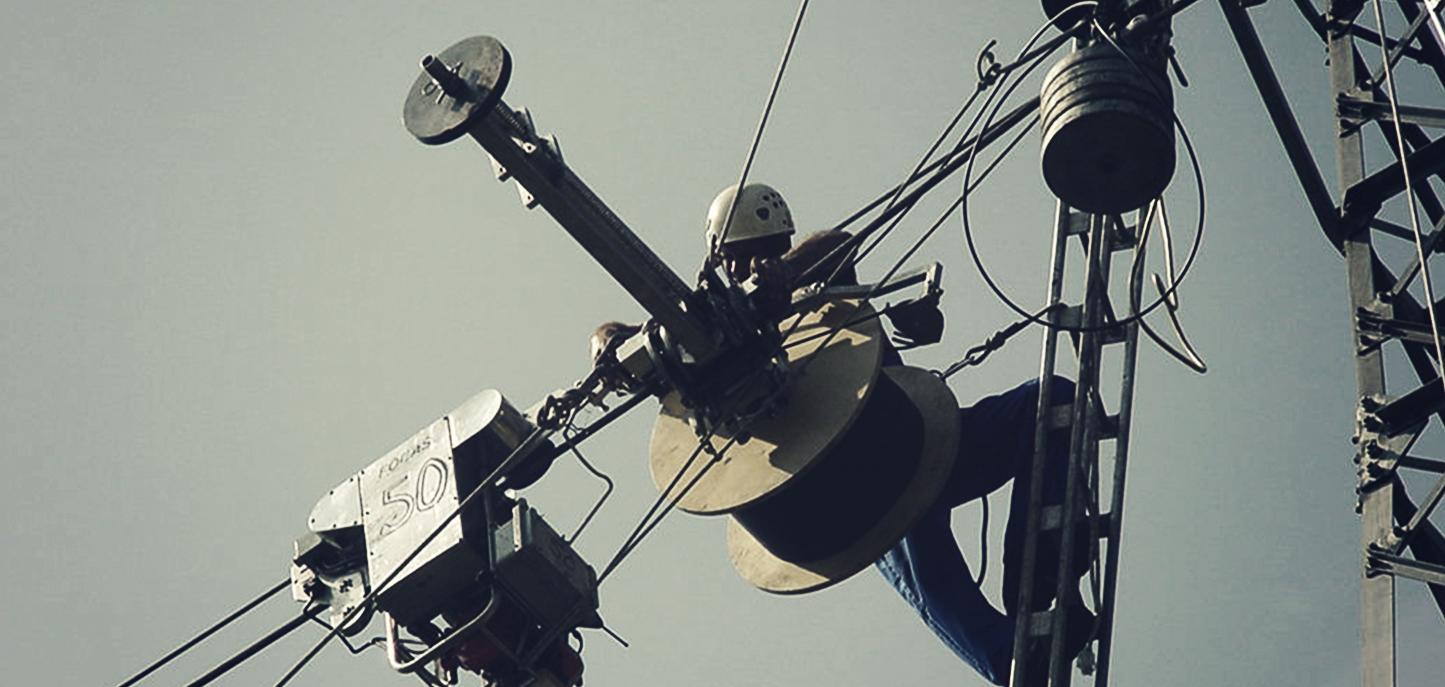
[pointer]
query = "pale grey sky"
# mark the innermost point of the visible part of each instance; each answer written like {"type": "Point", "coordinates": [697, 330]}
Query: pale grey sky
{"type": "Point", "coordinates": [231, 279]}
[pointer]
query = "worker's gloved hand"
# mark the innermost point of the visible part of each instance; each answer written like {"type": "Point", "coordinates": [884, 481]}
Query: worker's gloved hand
{"type": "Point", "coordinates": [917, 322]}
{"type": "Point", "coordinates": [605, 337]}
{"type": "Point", "coordinates": [603, 345]}
{"type": "Point", "coordinates": [771, 286]}
{"type": "Point", "coordinates": [771, 274]}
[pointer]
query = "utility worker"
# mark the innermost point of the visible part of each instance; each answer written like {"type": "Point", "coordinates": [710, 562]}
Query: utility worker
{"type": "Point", "coordinates": [996, 443]}
{"type": "Point", "coordinates": [757, 246]}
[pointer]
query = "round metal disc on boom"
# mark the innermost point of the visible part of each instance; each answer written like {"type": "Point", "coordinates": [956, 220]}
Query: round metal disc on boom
{"type": "Point", "coordinates": [455, 88]}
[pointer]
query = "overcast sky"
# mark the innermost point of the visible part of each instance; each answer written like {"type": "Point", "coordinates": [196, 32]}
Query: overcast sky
{"type": "Point", "coordinates": [229, 279]}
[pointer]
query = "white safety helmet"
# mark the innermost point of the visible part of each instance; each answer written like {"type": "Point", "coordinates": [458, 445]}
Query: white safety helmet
{"type": "Point", "coordinates": [761, 211]}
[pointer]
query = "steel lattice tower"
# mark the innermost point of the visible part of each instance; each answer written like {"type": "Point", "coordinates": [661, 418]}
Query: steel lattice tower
{"type": "Point", "coordinates": [1386, 72]}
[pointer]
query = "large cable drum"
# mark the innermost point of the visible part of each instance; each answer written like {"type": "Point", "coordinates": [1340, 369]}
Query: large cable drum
{"type": "Point", "coordinates": [1108, 129]}
{"type": "Point", "coordinates": [836, 476]}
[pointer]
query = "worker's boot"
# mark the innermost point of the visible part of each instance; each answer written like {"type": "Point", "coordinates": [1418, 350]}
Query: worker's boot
{"type": "Point", "coordinates": [1046, 569]}
{"type": "Point", "coordinates": [1077, 634]}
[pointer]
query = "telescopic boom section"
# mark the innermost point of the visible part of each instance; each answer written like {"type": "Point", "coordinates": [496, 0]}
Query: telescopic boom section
{"type": "Point", "coordinates": [459, 93]}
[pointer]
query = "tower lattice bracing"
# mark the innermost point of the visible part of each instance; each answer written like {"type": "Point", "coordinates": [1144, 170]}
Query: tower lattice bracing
{"type": "Point", "coordinates": [1386, 63]}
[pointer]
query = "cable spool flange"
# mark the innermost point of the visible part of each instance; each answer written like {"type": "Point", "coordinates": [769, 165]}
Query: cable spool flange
{"type": "Point", "coordinates": [838, 519]}
{"type": "Point", "coordinates": [821, 404]}
{"type": "Point", "coordinates": [834, 480]}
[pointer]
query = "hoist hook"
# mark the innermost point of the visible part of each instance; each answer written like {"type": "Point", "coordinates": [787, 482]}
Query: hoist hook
{"type": "Point", "coordinates": [987, 65]}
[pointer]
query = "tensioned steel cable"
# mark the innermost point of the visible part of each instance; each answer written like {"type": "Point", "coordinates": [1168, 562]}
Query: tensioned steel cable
{"type": "Point", "coordinates": [987, 78]}
{"type": "Point", "coordinates": [918, 170]}
{"type": "Point", "coordinates": [245, 654]}
{"type": "Point", "coordinates": [585, 433]}
{"type": "Point", "coordinates": [648, 522]}
{"type": "Point", "coordinates": [758, 134]}
{"type": "Point", "coordinates": [1419, 240]}
{"type": "Point", "coordinates": [243, 610]}
{"type": "Point", "coordinates": [995, 341]}
{"type": "Point", "coordinates": [968, 188]}
{"type": "Point", "coordinates": [963, 153]}
{"type": "Point", "coordinates": [641, 532]}
{"type": "Point", "coordinates": [951, 162]}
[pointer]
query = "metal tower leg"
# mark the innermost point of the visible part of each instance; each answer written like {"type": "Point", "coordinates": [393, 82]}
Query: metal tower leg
{"type": "Point", "coordinates": [1040, 637]}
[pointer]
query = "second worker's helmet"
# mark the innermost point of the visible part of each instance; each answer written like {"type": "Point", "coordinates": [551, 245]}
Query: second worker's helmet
{"type": "Point", "coordinates": [761, 211]}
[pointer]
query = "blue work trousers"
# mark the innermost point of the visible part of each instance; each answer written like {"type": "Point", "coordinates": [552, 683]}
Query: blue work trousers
{"type": "Point", "coordinates": [996, 444]}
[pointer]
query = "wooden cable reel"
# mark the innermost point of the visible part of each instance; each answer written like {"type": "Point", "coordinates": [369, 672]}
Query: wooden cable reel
{"type": "Point", "coordinates": [838, 476]}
